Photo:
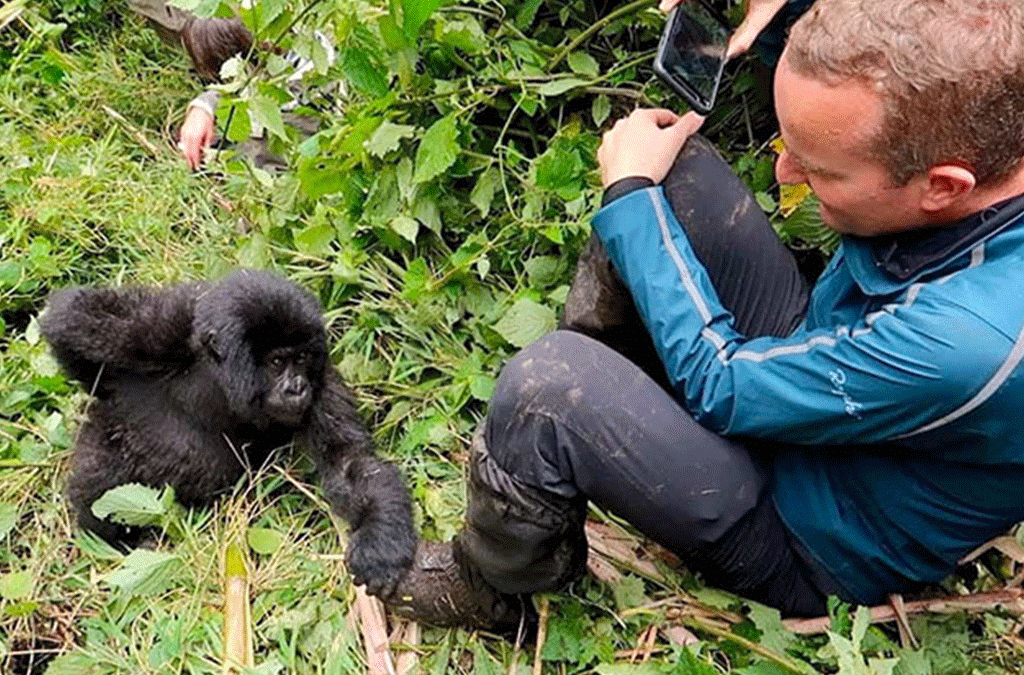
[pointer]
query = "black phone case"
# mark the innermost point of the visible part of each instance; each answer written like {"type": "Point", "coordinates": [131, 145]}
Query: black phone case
{"type": "Point", "coordinates": [681, 87]}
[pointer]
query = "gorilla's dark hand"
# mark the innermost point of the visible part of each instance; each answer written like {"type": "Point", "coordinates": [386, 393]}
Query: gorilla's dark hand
{"type": "Point", "coordinates": [366, 491]}
{"type": "Point", "coordinates": [379, 556]}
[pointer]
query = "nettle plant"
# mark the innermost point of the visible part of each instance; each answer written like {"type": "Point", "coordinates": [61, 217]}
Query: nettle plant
{"type": "Point", "coordinates": [459, 138]}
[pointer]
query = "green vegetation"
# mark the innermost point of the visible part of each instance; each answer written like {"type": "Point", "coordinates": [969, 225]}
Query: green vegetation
{"type": "Point", "coordinates": [437, 214]}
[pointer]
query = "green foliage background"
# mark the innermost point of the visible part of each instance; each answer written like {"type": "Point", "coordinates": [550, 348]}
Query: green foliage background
{"type": "Point", "coordinates": [437, 213]}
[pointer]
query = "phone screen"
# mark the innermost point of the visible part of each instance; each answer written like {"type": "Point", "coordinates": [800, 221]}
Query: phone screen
{"type": "Point", "coordinates": [691, 54]}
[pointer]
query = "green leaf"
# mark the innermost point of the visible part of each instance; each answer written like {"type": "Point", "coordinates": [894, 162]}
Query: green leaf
{"type": "Point", "coordinates": [765, 201]}
{"type": "Point", "coordinates": [543, 270]}
{"type": "Point", "coordinates": [131, 504]}
{"type": "Point", "coordinates": [483, 191]}
{"type": "Point", "coordinates": [266, 113]}
{"type": "Point", "coordinates": [629, 593]}
{"type": "Point", "coordinates": [526, 13]}
{"type": "Point", "coordinates": [600, 109]}
{"type": "Point", "coordinates": [362, 74]}
{"type": "Point", "coordinates": [321, 177]}
{"type": "Point", "coordinates": [264, 541]}
{"type": "Point", "coordinates": [583, 63]}
{"type": "Point", "coordinates": [768, 622]}
{"type": "Point", "coordinates": [16, 585]}
{"type": "Point", "coordinates": [8, 518]}
{"type": "Point", "coordinates": [560, 86]}
{"type": "Point", "coordinates": [315, 239]}
{"type": "Point", "coordinates": [145, 572]}
{"type": "Point", "coordinates": [438, 149]}
{"type": "Point", "coordinates": [525, 322]}
{"type": "Point", "coordinates": [558, 168]}
{"type": "Point", "coordinates": [405, 227]}
{"type": "Point", "coordinates": [861, 621]}
{"type": "Point", "coordinates": [74, 664]}
{"type": "Point", "coordinates": [481, 387]}
{"type": "Point", "coordinates": [415, 14]}
{"type": "Point", "coordinates": [387, 138]}
{"type": "Point", "coordinates": [417, 277]}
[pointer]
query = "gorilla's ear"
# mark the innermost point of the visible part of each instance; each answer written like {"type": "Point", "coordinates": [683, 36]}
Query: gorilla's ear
{"type": "Point", "coordinates": [209, 342]}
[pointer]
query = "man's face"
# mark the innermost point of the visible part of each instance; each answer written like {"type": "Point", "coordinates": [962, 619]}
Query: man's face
{"type": "Point", "coordinates": [827, 131]}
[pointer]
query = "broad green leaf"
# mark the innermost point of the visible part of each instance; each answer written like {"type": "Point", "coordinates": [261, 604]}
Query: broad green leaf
{"type": "Point", "coordinates": [481, 387]}
{"type": "Point", "coordinates": [543, 270]}
{"type": "Point", "coordinates": [882, 666]}
{"type": "Point", "coordinates": [387, 138]}
{"type": "Point", "coordinates": [130, 504]}
{"type": "Point", "coordinates": [558, 168]}
{"type": "Point", "coordinates": [766, 202]}
{"type": "Point", "coordinates": [415, 13]}
{"type": "Point", "coordinates": [315, 239]}
{"type": "Point", "coordinates": [264, 541]}
{"type": "Point", "coordinates": [362, 73]}
{"type": "Point", "coordinates": [8, 518]}
{"type": "Point", "coordinates": [526, 14]}
{"type": "Point", "coordinates": [525, 322]}
{"type": "Point", "coordinates": [145, 572]}
{"type": "Point", "coordinates": [239, 126]}
{"type": "Point", "coordinates": [417, 276]}
{"type": "Point", "coordinates": [483, 191]}
{"type": "Point", "coordinates": [266, 113]}
{"type": "Point", "coordinates": [861, 621]}
{"type": "Point", "coordinates": [405, 227]}
{"type": "Point", "coordinates": [768, 622]}
{"type": "Point", "coordinates": [560, 86]}
{"type": "Point", "coordinates": [74, 664]}
{"type": "Point", "coordinates": [438, 149]}
{"type": "Point", "coordinates": [600, 109]}
{"type": "Point", "coordinates": [16, 585]}
{"type": "Point", "coordinates": [629, 593]}
{"type": "Point", "coordinates": [320, 177]}
{"type": "Point", "coordinates": [583, 63]}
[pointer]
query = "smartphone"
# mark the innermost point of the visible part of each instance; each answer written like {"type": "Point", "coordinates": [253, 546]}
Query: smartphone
{"type": "Point", "coordinates": [691, 53]}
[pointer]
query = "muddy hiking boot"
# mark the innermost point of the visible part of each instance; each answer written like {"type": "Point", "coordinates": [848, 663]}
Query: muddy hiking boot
{"type": "Point", "coordinates": [516, 540]}
{"type": "Point", "coordinates": [440, 591]}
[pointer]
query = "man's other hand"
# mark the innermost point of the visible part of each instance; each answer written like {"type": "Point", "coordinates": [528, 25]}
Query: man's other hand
{"type": "Point", "coordinates": [644, 144]}
{"type": "Point", "coordinates": [759, 14]}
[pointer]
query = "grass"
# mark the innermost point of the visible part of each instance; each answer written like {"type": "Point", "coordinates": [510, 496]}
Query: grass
{"type": "Point", "coordinates": [92, 192]}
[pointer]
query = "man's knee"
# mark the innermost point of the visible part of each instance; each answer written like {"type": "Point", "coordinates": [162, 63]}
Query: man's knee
{"type": "Point", "coordinates": [545, 375]}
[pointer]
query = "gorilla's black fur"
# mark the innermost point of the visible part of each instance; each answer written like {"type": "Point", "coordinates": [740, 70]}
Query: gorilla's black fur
{"type": "Point", "coordinates": [193, 382]}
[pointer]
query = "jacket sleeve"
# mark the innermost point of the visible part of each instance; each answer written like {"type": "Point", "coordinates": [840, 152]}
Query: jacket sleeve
{"type": "Point", "coordinates": [895, 373]}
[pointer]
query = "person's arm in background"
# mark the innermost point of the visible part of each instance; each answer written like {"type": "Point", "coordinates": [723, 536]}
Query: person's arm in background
{"type": "Point", "coordinates": [759, 14]}
{"type": "Point", "coordinates": [197, 131]}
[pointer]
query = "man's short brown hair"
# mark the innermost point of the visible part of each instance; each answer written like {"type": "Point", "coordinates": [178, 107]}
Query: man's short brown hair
{"type": "Point", "coordinates": [950, 74]}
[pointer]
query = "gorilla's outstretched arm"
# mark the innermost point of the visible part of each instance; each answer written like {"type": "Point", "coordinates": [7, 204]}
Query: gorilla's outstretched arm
{"type": "Point", "coordinates": [136, 329]}
{"type": "Point", "coordinates": [364, 490]}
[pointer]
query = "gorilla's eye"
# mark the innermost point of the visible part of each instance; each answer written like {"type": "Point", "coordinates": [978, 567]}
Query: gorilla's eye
{"type": "Point", "coordinates": [276, 361]}
{"type": "Point", "coordinates": [300, 358]}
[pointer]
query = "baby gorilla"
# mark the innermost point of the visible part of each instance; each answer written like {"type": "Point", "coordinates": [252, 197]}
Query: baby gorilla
{"type": "Point", "coordinates": [196, 382]}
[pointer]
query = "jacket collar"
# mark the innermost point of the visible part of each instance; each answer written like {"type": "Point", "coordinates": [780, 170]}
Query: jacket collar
{"type": "Point", "coordinates": [890, 263]}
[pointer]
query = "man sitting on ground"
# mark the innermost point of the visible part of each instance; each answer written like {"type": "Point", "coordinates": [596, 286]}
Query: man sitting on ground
{"type": "Point", "coordinates": [855, 440]}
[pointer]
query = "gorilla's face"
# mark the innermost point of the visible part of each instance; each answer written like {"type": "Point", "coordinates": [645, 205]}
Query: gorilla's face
{"type": "Point", "coordinates": [288, 377]}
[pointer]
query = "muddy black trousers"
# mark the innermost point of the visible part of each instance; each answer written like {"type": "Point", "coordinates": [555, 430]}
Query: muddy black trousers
{"type": "Point", "coordinates": [584, 414]}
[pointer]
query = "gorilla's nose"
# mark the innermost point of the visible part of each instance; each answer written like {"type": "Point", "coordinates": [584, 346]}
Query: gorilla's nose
{"type": "Point", "coordinates": [296, 387]}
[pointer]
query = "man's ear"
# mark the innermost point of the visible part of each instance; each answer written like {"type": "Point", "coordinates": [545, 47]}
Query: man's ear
{"type": "Point", "coordinates": [948, 185]}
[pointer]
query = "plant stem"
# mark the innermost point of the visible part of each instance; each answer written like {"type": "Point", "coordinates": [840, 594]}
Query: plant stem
{"type": "Point", "coordinates": [632, 7]}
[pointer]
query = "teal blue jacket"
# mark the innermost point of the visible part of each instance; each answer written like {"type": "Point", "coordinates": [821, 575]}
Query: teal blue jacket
{"type": "Point", "coordinates": [896, 405]}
